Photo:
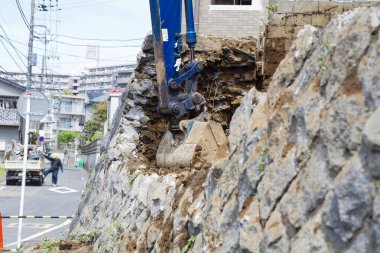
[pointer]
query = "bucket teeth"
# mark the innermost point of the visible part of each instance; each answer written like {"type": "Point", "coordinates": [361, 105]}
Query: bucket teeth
{"type": "Point", "coordinates": [203, 143]}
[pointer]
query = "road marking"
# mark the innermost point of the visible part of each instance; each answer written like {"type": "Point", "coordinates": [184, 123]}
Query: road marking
{"type": "Point", "coordinates": [31, 225]}
{"type": "Point", "coordinates": [62, 190]}
{"type": "Point", "coordinates": [39, 234]}
{"type": "Point", "coordinates": [1, 188]}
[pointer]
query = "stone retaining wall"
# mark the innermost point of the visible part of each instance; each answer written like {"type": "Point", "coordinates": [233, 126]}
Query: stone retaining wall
{"type": "Point", "coordinates": [286, 19]}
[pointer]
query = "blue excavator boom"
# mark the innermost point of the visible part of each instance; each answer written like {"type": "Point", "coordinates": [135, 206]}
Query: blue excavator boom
{"type": "Point", "coordinates": [178, 96]}
{"type": "Point", "coordinates": [188, 141]}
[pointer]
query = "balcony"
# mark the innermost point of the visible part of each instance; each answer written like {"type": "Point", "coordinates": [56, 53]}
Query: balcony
{"type": "Point", "coordinates": [73, 110]}
{"type": "Point", "coordinates": [9, 117]}
{"type": "Point", "coordinates": [123, 80]}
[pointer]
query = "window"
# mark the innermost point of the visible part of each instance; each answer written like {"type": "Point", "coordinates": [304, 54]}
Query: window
{"type": "Point", "coordinates": [65, 123]}
{"type": "Point", "coordinates": [238, 5]}
{"type": "Point", "coordinates": [232, 2]}
{"type": "Point", "coordinates": [67, 106]}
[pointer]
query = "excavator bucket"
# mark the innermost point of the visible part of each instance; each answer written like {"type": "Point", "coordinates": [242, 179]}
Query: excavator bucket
{"type": "Point", "coordinates": [198, 144]}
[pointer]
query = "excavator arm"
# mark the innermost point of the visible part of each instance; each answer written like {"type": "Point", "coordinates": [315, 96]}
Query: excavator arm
{"type": "Point", "coordinates": [188, 142]}
{"type": "Point", "coordinates": [178, 96]}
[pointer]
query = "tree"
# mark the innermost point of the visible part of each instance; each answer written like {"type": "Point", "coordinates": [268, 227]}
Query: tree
{"type": "Point", "coordinates": [100, 113]}
{"type": "Point", "coordinates": [67, 136]}
{"type": "Point", "coordinates": [33, 137]}
{"type": "Point", "coordinates": [93, 129]}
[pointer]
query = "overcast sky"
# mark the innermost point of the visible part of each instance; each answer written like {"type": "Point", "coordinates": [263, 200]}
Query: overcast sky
{"type": "Point", "coordinates": [88, 19]}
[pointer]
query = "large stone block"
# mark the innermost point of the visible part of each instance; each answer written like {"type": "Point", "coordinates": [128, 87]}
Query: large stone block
{"type": "Point", "coordinates": [277, 19]}
{"type": "Point", "coordinates": [305, 7]}
{"type": "Point", "coordinates": [276, 44]}
{"type": "Point", "coordinates": [320, 19]}
{"type": "Point", "coordinates": [285, 7]}
{"type": "Point", "coordinates": [330, 8]}
{"type": "Point", "coordinates": [274, 56]}
{"type": "Point", "coordinates": [371, 144]}
{"type": "Point", "coordinates": [277, 32]}
{"type": "Point", "coordinates": [348, 204]}
{"type": "Point", "coordinates": [298, 19]}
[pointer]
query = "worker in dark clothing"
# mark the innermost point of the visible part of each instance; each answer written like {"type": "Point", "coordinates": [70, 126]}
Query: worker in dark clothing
{"type": "Point", "coordinates": [55, 165]}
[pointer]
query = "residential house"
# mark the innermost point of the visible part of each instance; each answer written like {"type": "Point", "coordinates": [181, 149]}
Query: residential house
{"type": "Point", "coordinates": [233, 18]}
{"type": "Point", "coordinates": [10, 120]}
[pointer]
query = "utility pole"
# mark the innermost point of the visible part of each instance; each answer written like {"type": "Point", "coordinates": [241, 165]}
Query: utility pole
{"type": "Point", "coordinates": [44, 67]}
{"type": "Point", "coordinates": [30, 45]}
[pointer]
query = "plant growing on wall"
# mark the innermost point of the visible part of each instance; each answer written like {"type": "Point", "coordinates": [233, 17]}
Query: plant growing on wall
{"type": "Point", "coordinates": [271, 8]}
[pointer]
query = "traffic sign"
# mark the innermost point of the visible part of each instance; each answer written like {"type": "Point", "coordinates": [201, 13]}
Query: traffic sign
{"type": "Point", "coordinates": [41, 139]}
{"type": "Point", "coordinates": [39, 105]}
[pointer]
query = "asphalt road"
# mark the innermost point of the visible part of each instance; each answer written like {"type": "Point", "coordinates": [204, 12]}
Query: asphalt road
{"type": "Point", "coordinates": [44, 200]}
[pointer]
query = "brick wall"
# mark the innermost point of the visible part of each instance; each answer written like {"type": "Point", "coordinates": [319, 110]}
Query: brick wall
{"type": "Point", "coordinates": [289, 18]}
{"type": "Point", "coordinates": [230, 23]}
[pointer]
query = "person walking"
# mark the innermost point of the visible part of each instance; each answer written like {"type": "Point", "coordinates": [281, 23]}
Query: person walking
{"type": "Point", "coordinates": [55, 165]}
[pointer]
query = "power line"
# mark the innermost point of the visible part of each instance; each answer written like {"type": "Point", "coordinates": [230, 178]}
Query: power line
{"type": "Point", "coordinates": [10, 74]}
{"type": "Point", "coordinates": [17, 51]}
{"type": "Point", "coordinates": [10, 55]}
{"type": "Point", "coordinates": [86, 4]}
{"type": "Point", "coordinates": [71, 55]}
{"type": "Point", "coordinates": [103, 46]}
{"type": "Point", "coordinates": [22, 14]}
{"type": "Point", "coordinates": [93, 39]}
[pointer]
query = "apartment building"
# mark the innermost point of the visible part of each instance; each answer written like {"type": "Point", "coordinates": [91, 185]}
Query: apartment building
{"type": "Point", "coordinates": [66, 113]}
{"type": "Point", "coordinates": [103, 79]}
{"type": "Point", "coordinates": [71, 115]}
{"type": "Point", "coordinates": [51, 83]}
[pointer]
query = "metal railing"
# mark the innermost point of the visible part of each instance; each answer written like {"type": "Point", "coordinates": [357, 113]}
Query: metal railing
{"type": "Point", "coordinates": [9, 117]}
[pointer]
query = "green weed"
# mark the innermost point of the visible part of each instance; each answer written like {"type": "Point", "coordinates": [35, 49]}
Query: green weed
{"type": "Point", "coordinates": [132, 178]}
{"type": "Point", "coordinates": [49, 245]}
{"type": "Point", "coordinates": [189, 244]}
{"type": "Point", "coordinates": [86, 238]}
{"type": "Point", "coordinates": [271, 8]}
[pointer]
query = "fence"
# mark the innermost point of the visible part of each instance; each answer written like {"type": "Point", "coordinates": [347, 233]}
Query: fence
{"type": "Point", "coordinates": [90, 154]}
{"type": "Point", "coordinates": [9, 117]}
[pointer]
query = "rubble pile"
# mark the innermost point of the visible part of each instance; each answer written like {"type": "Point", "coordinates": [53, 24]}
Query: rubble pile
{"type": "Point", "coordinates": [302, 174]}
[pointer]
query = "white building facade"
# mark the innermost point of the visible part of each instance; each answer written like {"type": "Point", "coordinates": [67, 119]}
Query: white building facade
{"type": "Point", "coordinates": [104, 79]}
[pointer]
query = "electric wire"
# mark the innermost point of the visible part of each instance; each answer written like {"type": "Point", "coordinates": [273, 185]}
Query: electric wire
{"type": "Point", "coordinates": [10, 55]}
{"type": "Point", "coordinates": [76, 56]}
{"type": "Point", "coordinates": [9, 73]}
{"type": "Point", "coordinates": [102, 46]}
{"type": "Point", "coordinates": [19, 7]}
{"type": "Point", "coordinates": [94, 39]}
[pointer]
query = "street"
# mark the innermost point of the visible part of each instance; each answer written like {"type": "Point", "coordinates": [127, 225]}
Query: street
{"type": "Point", "coordinates": [44, 200]}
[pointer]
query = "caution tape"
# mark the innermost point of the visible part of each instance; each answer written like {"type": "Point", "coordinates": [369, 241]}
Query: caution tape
{"type": "Point", "coordinates": [36, 217]}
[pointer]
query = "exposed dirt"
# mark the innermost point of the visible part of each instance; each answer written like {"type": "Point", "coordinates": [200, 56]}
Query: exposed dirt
{"type": "Point", "coordinates": [64, 246]}
{"type": "Point", "coordinates": [229, 71]}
